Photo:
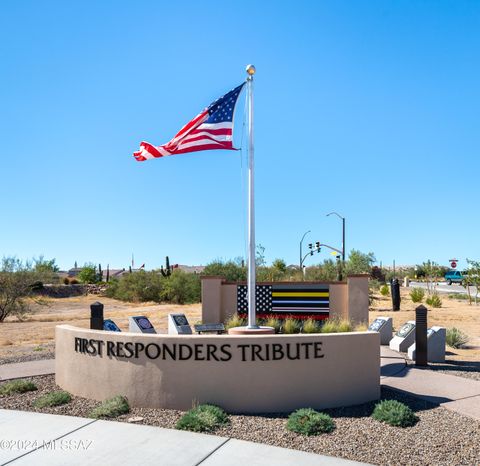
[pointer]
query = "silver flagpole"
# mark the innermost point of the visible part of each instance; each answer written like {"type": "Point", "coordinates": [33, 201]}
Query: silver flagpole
{"type": "Point", "coordinates": [252, 321]}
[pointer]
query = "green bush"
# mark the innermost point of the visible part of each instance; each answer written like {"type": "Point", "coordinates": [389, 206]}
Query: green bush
{"type": "Point", "coordinates": [307, 421]}
{"type": "Point", "coordinates": [434, 300]}
{"type": "Point", "coordinates": [291, 326]}
{"type": "Point", "coordinates": [384, 290]}
{"type": "Point", "coordinates": [394, 413]}
{"type": "Point", "coordinates": [273, 322]}
{"type": "Point", "coordinates": [230, 270]}
{"type": "Point", "coordinates": [235, 321]}
{"type": "Point", "coordinates": [111, 408]}
{"type": "Point", "coordinates": [88, 274]}
{"type": "Point", "coordinates": [17, 386]}
{"type": "Point", "coordinates": [181, 288]}
{"type": "Point", "coordinates": [310, 326]}
{"type": "Point", "coordinates": [456, 338]}
{"type": "Point", "coordinates": [203, 418]}
{"type": "Point", "coordinates": [417, 295]}
{"type": "Point", "coordinates": [57, 398]}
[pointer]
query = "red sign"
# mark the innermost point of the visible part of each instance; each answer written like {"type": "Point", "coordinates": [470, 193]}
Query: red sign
{"type": "Point", "coordinates": [453, 264]}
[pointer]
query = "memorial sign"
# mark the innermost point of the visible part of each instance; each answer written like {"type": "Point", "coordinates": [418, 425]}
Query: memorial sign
{"type": "Point", "coordinates": [110, 326]}
{"type": "Point", "coordinates": [209, 328]}
{"type": "Point", "coordinates": [382, 325]}
{"type": "Point", "coordinates": [140, 324]}
{"type": "Point", "coordinates": [178, 325]}
{"type": "Point", "coordinates": [404, 338]}
{"type": "Point", "coordinates": [285, 300]}
{"type": "Point", "coordinates": [436, 340]}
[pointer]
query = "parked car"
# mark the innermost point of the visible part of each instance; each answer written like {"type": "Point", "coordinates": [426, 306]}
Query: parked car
{"type": "Point", "coordinates": [454, 276]}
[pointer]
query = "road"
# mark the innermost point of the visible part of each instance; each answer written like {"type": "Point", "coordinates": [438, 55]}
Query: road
{"type": "Point", "coordinates": [442, 287]}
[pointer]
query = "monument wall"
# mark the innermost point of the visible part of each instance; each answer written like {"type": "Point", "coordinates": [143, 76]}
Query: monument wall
{"type": "Point", "coordinates": [248, 374]}
{"type": "Point", "coordinates": [347, 300]}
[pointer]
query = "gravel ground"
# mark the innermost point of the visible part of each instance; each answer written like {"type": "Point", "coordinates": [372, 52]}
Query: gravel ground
{"type": "Point", "coordinates": [441, 437]}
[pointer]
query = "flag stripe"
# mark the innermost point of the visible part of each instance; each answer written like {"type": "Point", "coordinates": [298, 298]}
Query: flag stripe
{"type": "Point", "coordinates": [210, 129]}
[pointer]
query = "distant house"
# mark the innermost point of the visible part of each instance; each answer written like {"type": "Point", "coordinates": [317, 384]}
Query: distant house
{"type": "Point", "coordinates": [191, 268]}
{"type": "Point", "coordinates": [74, 271]}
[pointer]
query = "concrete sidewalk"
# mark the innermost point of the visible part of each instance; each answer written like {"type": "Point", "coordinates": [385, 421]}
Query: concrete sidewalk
{"type": "Point", "coordinates": [27, 369]}
{"type": "Point", "coordinates": [33, 438]}
{"type": "Point", "coordinates": [455, 393]}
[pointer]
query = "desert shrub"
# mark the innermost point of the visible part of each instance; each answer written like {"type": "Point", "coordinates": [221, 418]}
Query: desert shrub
{"type": "Point", "coordinates": [434, 300]}
{"type": "Point", "coordinates": [66, 281]}
{"type": "Point", "coordinates": [235, 321]}
{"type": "Point", "coordinates": [374, 284]}
{"type": "Point", "coordinates": [307, 421]}
{"type": "Point", "coordinates": [291, 326]}
{"type": "Point", "coordinates": [74, 281]}
{"type": "Point", "coordinates": [273, 322]}
{"type": "Point", "coordinates": [456, 338]}
{"type": "Point", "coordinates": [334, 325]}
{"type": "Point", "coordinates": [203, 418]}
{"type": "Point", "coordinates": [384, 290]}
{"type": "Point", "coordinates": [139, 286]}
{"type": "Point", "coordinates": [57, 398]}
{"type": "Point", "coordinates": [17, 386]}
{"type": "Point", "coordinates": [461, 296]}
{"type": "Point", "coordinates": [417, 295]}
{"type": "Point", "coordinates": [310, 326]}
{"type": "Point", "coordinates": [394, 413]}
{"type": "Point", "coordinates": [181, 288]}
{"type": "Point", "coordinates": [230, 270]}
{"type": "Point", "coordinates": [111, 408]}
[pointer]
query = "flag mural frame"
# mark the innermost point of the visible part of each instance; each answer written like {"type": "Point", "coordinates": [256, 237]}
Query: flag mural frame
{"type": "Point", "coordinates": [280, 300]}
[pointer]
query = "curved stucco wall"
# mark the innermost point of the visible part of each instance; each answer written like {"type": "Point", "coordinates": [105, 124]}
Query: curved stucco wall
{"type": "Point", "coordinates": [169, 371]}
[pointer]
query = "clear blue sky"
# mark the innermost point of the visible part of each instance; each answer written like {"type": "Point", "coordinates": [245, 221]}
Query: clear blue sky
{"type": "Point", "coordinates": [367, 108]}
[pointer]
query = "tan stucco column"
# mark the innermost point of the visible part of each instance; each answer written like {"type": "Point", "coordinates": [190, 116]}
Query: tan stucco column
{"type": "Point", "coordinates": [358, 298]}
{"type": "Point", "coordinates": [212, 300]}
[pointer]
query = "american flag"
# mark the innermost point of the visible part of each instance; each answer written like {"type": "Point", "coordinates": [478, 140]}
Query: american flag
{"type": "Point", "coordinates": [211, 129]}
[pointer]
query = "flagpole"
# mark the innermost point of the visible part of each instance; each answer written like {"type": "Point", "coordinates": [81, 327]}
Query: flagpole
{"type": "Point", "coordinates": [252, 321]}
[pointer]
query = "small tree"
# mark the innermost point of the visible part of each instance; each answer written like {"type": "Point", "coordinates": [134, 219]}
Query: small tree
{"type": "Point", "coordinates": [472, 278]}
{"type": "Point", "coordinates": [17, 282]}
{"type": "Point", "coordinates": [432, 273]}
{"type": "Point", "coordinates": [359, 262]}
{"type": "Point", "coordinates": [88, 274]}
{"type": "Point", "coordinates": [47, 268]}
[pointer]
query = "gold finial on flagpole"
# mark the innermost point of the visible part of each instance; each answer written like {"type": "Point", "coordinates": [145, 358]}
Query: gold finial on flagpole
{"type": "Point", "coordinates": [250, 69]}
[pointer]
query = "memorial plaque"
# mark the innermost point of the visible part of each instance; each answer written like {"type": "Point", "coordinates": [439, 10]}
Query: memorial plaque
{"type": "Point", "coordinates": [382, 325]}
{"type": "Point", "coordinates": [436, 339]}
{"type": "Point", "coordinates": [140, 324]}
{"type": "Point", "coordinates": [178, 325]}
{"type": "Point", "coordinates": [210, 328]}
{"type": "Point", "coordinates": [404, 338]}
{"type": "Point", "coordinates": [405, 329]}
{"type": "Point", "coordinates": [110, 326]}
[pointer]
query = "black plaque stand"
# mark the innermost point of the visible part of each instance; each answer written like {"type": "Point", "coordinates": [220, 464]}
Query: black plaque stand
{"type": "Point", "coordinates": [421, 343]}
{"type": "Point", "coordinates": [96, 316]}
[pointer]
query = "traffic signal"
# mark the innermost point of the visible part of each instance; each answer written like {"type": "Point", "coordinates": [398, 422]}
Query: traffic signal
{"type": "Point", "coordinates": [317, 244]}
{"type": "Point", "coordinates": [310, 245]}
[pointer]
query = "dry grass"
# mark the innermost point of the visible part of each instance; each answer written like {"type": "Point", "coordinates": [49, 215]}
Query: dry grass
{"type": "Point", "coordinates": [453, 313]}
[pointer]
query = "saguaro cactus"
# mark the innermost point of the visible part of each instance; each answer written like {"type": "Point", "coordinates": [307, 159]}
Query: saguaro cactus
{"type": "Point", "coordinates": [167, 271]}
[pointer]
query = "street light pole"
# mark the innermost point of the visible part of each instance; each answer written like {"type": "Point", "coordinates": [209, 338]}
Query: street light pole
{"type": "Point", "coordinates": [301, 242]}
{"type": "Point", "coordinates": [343, 233]}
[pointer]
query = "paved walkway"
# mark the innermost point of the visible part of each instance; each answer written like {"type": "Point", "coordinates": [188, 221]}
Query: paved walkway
{"type": "Point", "coordinates": [455, 393]}
{"type": "Point", "coordinates": [33, 438]}
{"type": "Point", "coordinates": [27, 369]}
